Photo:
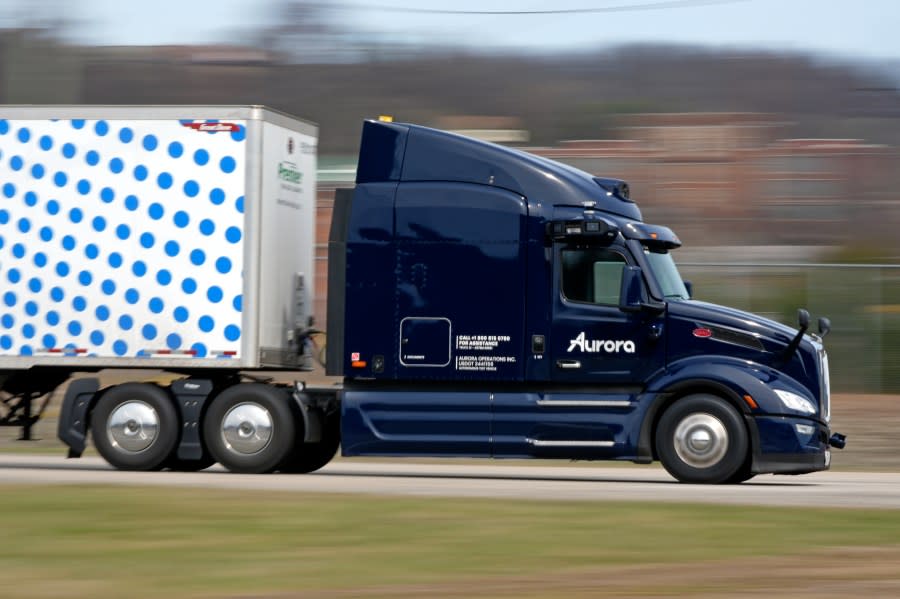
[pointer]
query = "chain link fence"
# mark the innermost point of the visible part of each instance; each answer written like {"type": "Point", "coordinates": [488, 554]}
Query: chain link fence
{"type": "Point", "coordinates": [862, 301]}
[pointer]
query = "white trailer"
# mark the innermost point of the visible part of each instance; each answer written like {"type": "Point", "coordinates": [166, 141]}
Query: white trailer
{"type": "Point", "coordinates": [164, 237]}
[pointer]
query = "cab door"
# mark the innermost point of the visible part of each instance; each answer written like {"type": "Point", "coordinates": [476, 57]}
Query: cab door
{"type": "Point", "coordinates": [592, 339]}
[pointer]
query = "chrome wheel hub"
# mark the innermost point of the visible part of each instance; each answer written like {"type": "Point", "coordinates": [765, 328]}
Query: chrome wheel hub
{"type": "Point", "coordinates": [701, 440]}
{"type": "Point", "coordinates": [247, 428]}
{"type": "Point", "coordinates": [133, 426]}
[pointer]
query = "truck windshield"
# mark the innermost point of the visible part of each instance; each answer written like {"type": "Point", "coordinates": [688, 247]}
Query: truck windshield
{"type": "Point", "coordinates": [666, 273]}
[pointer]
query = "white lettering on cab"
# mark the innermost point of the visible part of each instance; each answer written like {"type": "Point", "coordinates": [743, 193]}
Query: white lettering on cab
{"type": "Point", "coordinates": [595, 346]}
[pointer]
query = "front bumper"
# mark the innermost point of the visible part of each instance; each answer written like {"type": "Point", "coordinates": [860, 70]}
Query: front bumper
{"type": "Point", "coordinates": [789, 445]}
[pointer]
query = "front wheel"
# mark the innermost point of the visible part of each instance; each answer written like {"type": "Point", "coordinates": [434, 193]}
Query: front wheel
{"type": "Point", "coordinates": [250, 428]}
{"type": "Point", "coordinates": [703, 439]}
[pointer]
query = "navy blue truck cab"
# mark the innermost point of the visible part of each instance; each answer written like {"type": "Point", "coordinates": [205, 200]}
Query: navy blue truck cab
{"type": "Point", "coordinates": [486, 302]}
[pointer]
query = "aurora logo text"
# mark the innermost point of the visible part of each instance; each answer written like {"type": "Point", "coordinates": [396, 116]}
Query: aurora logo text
{"type": "Point", "coordinates": [595, 346]}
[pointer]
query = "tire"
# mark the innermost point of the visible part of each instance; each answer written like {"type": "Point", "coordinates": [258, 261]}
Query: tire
{"type": "Point", "coordinates": [309, 457]}
{"type": "Point", "coordinates": [703, 439]}
{"type": "Point", "coordinates": [135, 426]}
{"type": "Point", "coordinates": [176, 464]}
{"type": "Point", "coordinates": [249, 428]}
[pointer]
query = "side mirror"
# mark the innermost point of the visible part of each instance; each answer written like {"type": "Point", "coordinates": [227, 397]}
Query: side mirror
{"type": "Point", "coordinates": [824, 327]}
{"type": "Point", "coordinates": [690, 289]}
{"type": "Point", "coordinates": [803, 319]}
{"type": "Point", "coordinates": [631, 293]}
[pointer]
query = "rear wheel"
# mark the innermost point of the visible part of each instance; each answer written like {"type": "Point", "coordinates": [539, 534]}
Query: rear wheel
{"type": "Point", "coordinates": [135, 426]}
{"type": "Point", "coordinates": [177, 464]}
{"type": "Point", "coordinates": [702, 439]}
{"type": "Point", "coordinates": [250, 428]}
{"type": "Point", "coordinates": [309, 457]}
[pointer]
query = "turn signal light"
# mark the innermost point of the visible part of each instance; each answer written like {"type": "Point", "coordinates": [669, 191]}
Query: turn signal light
{"type": "Point", "coordinates": [358, 363]}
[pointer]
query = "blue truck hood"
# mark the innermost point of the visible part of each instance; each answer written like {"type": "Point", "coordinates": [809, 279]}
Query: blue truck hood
{"type": "Point", "coordinates": [706, 313]}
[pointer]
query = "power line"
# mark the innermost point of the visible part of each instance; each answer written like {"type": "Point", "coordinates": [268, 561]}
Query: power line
{"type": "Point", "coordinates": [663, 5]}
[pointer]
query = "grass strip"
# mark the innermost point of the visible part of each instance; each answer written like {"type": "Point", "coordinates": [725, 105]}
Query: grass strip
{"type": "Point", "coordinates": [79, 541]}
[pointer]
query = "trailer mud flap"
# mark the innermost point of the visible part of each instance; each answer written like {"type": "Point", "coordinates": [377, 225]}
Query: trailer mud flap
{"type": "Point", "coordinates": [191, 396]}
{"type": "Point", "coordinates": [72, 426]}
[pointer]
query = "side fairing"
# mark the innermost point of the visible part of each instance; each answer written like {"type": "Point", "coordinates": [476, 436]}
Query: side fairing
{"type": "Point", "coordinates": [436, 276]}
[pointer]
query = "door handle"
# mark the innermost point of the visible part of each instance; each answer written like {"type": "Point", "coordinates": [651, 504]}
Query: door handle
{"type": "Point", "coordinates": [568, 364]}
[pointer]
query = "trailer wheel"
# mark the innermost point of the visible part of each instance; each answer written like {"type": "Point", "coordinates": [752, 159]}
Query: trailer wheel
{"type": "Point", "coordinates": [250, 428]}
{"type": "Point", "coordinates": [309, 457]}
{"type": "Point", "coordinates": [176, 464]}
{"type": "Point", "coordinates": [702, 439]}
{"type": "Point", "coordinates": [135, 426]}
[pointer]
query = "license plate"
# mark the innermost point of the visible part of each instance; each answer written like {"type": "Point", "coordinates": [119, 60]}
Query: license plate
{"type": "Point", "coordinates": [827, 458]}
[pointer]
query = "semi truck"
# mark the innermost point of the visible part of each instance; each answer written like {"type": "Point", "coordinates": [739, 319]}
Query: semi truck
{"type": "Point", "coordinates": [482, 302]}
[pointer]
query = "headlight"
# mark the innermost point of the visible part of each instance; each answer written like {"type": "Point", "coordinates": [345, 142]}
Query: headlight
{"type": "Point", "coordinates": [795, 402]}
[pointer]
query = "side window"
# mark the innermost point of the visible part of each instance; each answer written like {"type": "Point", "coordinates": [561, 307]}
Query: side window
{"type": "Point", "coordinates": [592, 275]}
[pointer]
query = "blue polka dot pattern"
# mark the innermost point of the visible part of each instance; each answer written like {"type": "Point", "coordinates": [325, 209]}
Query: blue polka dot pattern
{"type": "Point", "coordinates": [164, 180]}
{"type": "Point", "coordinates": [150, 143]}
{"type": "Point", "coordinates": [79, 195]}
{"type": "Point", "coordinates": [223, 265]}
{"type": "Point", "coordinates": [173, 341]}
{"type": "Point", "coordinates": [191, 189]}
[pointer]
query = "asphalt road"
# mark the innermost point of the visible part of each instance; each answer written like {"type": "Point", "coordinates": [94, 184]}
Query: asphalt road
{"type": "Point", "coordinates": [493, 479]}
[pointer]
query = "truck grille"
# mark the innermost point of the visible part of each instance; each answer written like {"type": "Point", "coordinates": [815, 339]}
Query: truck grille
{"type": "Point", "coordinates": [825, 386]}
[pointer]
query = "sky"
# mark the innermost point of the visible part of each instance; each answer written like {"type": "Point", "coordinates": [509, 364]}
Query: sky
{"type": "Point", "coordinates": [864, 29]}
